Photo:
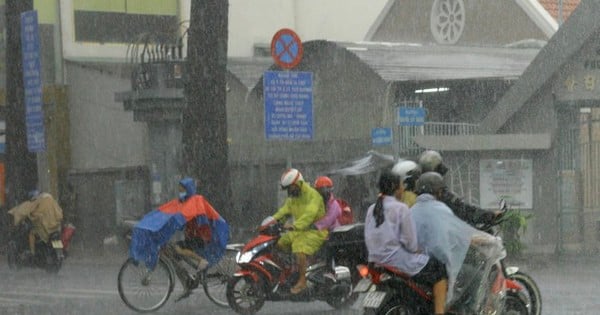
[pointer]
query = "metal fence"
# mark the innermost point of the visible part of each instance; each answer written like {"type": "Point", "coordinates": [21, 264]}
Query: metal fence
{"type": "Point", "coordinates": [407, 145]}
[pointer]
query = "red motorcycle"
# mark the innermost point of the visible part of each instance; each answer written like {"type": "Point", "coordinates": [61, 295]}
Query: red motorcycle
{"type": "Point", "coordinates": [267, 273]}
{"type": "Point", "coordinates": [484, 286]}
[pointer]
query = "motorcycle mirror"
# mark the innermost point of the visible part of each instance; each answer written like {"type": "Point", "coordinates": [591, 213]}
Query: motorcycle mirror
{"type": "Point", "coordinates": [502, 204]}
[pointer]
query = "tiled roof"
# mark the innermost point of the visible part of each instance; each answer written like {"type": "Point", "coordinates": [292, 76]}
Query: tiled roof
{"type": "Point", "coordinates": [552, 6]}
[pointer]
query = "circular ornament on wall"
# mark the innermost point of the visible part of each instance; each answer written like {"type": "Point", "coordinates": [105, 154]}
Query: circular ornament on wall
{"type": "Point", "coordinates": [447, 20]}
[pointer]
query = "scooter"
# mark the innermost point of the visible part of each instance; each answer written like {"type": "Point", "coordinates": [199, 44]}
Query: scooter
{"type": "Point", "coordinates": [48, 255]}
{"type": "Point", "coordinates": [266, 273]}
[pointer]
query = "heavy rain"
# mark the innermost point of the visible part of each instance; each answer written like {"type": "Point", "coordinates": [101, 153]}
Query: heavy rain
{"type": "Point", "coordinates": [152, 150]}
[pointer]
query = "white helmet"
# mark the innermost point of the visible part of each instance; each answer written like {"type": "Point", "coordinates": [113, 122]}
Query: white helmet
{"type": "Point", "coordinates": [430, 160]}
{"type": "Point", "coordinates": [406, 168]}
{"type": "Point", "coordinates": [290, 177]}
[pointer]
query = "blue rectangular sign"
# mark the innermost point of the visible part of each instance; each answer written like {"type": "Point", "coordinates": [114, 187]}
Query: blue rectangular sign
{"type": "Point", "coordinates": [381, 136]}
{"type": "Point", "coordinates": [411, 116]}
{"type": "Point", "coordinates": [288, 105]}
{"type": "Point", "coordinates": [32, 81]}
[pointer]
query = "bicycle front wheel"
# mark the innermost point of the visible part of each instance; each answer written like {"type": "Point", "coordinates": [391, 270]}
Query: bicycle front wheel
{"type": "Point", "coordinates": [217, 276]}
{"type": "Point", "coordinates": [145, 290]}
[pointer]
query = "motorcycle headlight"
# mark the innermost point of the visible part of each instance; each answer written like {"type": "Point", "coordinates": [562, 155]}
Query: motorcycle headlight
{"type": "Point", "coordinates": [244, 258]}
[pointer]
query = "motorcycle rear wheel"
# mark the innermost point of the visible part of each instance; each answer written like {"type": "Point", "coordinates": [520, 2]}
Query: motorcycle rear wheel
{"type": "Point", "coordinates": [143, 290]}
{"type": "Point", "coordinates": [341, 302]}
{"type": "Point", "coordinates": [11, 255]}
{"type": "Point", "coordinates": [53, 261]}
{"type": "Point", "coordinates": [245, 296]}
{"type": "Point", "coordinates": [532, 291]}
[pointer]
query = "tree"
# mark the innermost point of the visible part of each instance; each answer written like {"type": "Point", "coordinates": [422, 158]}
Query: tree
{"type": "Point", "coordinates": [205, 149]}
{"type": "Point", "coordinates": [21, 165]}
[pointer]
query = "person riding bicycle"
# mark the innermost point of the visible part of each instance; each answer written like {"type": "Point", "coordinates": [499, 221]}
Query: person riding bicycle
{"type": "Point", "coordinates": [410, 171]}
{"type": "Point", "coordinates": [324, 185]}
{"type": "Point", "coordinates": [305, 206]}
{"type": "Point", "coordinates": [431, 161]}
{"type": "Point", "coordinates": [199, 241]}
{"type": "Point", "coordinates": [391, 239]}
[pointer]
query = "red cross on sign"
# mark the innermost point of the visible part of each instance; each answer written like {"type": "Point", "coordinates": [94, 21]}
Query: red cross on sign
{"type": "Point", "coordinates": [286, 48]}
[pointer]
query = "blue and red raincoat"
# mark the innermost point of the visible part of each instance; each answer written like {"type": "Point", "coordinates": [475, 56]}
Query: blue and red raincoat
{"type": "Point", "coordinates": [192, 212]}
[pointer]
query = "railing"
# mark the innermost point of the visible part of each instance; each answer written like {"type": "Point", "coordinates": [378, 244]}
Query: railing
{"type": "Point", "coordinates": [448, 129]}
{"type": "Point", "coordinates": [407, 134]}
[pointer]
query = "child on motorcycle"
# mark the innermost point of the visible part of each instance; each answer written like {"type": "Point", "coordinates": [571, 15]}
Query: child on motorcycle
{"type": "Point", "coordinates": [324, 185]}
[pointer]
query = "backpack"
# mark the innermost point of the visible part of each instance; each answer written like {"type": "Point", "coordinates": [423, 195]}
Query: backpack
{"type": "Point", "coordinates": [346, 217]}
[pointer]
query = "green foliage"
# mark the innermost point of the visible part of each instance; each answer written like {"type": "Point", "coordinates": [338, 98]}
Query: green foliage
{"type": "Point", "coordinates": [514, 223]}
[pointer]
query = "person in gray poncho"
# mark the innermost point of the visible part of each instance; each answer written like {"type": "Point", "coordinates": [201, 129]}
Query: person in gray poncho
{"type": "Point", "coordinates": [445, 236]}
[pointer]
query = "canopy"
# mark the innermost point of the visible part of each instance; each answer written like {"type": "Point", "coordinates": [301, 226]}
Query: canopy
{"type": "Point", "coordinates": [372, 162]}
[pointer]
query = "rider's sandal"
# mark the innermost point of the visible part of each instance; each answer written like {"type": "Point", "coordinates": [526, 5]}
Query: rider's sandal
{"type": "Point", "coordinates": [298, 289]}
{"type": "Point", "coordinates": [188, 287]}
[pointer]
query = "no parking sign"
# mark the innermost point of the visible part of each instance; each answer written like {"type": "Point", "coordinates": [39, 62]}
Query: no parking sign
{"type": "Point", "coordinates": [286, 48]}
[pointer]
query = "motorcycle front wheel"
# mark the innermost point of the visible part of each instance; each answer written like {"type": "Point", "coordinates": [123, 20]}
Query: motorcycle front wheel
{"type": "Point", "coordinates": [514, 305]}
{"type": "Point", "coordinates": [144, 290]}
{"type": "Point", "coordinates": [245, 296]}
{"type": "Point", "coordinates": [531, 291]}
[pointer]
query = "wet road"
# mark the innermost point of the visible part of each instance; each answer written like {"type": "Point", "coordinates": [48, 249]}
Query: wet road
{"type": "Point", "coordinates": [89, 286]}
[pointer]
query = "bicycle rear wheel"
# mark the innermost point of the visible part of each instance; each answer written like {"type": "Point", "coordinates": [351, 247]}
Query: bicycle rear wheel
{"type": "Point", "coordinates": [145, 290]}
{"type": "Point", "coordinates": [217, 276]}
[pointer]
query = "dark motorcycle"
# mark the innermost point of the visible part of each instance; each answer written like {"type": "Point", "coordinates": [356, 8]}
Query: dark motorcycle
{"type": "Point", "coordinates": [268, 274]}
{"type": "Point", "coordinates": [48, 255]}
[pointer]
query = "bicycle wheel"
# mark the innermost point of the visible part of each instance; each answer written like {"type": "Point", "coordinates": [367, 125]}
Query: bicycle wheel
{"type": "Point", "coordinates": [531, 291]}
{"type": "Point", "coordinates": [145, 290]}
{"type": "Point", "coordinates": [217, 276]}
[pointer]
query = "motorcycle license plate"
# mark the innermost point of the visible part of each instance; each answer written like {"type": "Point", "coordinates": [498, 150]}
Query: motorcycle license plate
{"type": "Point", "coordinates": [57, 244]}
{"type": "Point", "coordinates": [373, 299]}
{"type": "Point", "coordinates": [363, 285]}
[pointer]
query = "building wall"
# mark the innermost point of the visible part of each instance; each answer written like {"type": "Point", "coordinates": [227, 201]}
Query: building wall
{"type": "Point", "coordinates": [311, 19]}
{"type": "Point", "coordinates": [103, 134]}
{"type": "Point", "coordinates": [485, 23]}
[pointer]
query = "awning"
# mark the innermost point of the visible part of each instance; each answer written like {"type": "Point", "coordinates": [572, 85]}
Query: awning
{"type": "Point", "coordinates": [540, 141]}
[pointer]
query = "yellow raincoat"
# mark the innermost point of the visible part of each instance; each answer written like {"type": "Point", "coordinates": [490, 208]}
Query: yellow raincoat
{"type": "Point", "coordinates": [43, 211]}
{"type": "Point", "coordinates": [305, 209]}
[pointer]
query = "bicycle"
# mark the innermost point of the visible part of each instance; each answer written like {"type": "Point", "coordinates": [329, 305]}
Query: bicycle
{"type": "Point", "coordinates": [145, 290]}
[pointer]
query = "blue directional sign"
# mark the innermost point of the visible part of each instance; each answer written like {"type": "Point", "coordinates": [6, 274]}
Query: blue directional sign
{"type": "Point", "coordinates": [381, 136]}
{"type": "Point", "coordinates": [288, 105]}
{"type": "Point", "coordinates": [411, 116]}
{"type": "Point", "coordinates": [32, 81]}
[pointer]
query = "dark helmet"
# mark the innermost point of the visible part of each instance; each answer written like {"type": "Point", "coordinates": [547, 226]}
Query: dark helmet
{"type": "Point", "coordinates": [430, 183]}
{"type": "Point", "coordinates": [431, 161]}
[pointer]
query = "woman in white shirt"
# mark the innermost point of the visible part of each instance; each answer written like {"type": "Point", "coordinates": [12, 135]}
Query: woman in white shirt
{"type": "Point", "coordinates": [391, 239]}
